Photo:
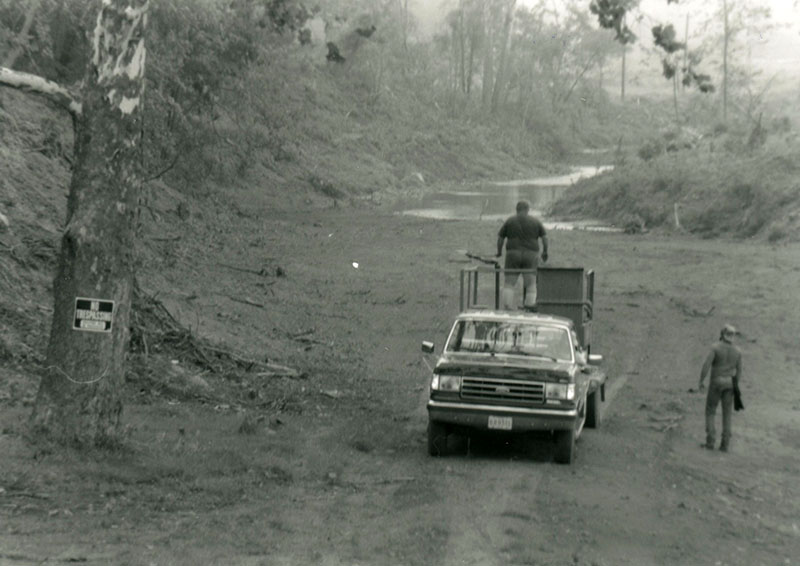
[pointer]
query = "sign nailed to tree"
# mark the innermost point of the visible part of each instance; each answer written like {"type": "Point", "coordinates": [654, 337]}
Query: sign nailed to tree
{"type": "Point", "coordinates": [93, 315]}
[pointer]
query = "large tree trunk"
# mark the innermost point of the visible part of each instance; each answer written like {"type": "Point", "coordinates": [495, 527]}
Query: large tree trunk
{"type": "Point", "coordinates": [80, 396]}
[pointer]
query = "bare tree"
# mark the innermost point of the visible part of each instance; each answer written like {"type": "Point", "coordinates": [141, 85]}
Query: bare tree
{"type": "Point", "coordinates": [488, 56]}
{"type": "Point", "coordinates": [726, 36]}
{"type": "Point", "coordinates": [499, 82]}
{"type": "Point", "coordinates": [80, 396]}
{"type": "Point", "coordinates": [737, 17]}
{"type": "Point", "coordinates": [405, 25]}
{"type": "Point", "coordinates": [612, 14]}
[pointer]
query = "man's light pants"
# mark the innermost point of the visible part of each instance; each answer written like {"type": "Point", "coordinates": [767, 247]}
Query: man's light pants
{"type": "Point", "coordinates": [528, 291]}
{"type": "Point", "coordinates": [520, 259]}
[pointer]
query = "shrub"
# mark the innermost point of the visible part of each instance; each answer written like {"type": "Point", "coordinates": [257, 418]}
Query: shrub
{"type": "Point", "coordinates": [777, 234]}
{"type": "Point", "coordinates": [651, 149]}
{"type": "Point", "coordinates": [741, 195]}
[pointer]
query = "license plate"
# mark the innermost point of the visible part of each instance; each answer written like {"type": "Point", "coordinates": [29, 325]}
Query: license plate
{"type": "Point", "coordinates": [500, 423]}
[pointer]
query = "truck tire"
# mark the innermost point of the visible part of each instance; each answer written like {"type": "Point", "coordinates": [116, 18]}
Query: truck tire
{"type": "Point", "coordinates": [565, 446]}
{"type": "Point", "coordinates": [437, 439]}
{"type": "Point", "coordinates": [593, 402]}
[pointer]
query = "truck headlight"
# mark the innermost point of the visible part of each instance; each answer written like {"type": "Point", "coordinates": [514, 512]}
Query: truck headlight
{"type": "Point", "coordinates": [563, 391]}
{"type": "Point", "coordinates": [446, 383]}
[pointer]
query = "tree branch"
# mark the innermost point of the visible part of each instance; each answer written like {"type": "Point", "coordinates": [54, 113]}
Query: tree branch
{"type": "Point", "coordinates": [43, 87]}
{"type": "Point", "coordinates": [22, 38]}
{"type": "Point", "coordinates": [165, 170]}
{"type": "Point", "coordinates": [586, 67]}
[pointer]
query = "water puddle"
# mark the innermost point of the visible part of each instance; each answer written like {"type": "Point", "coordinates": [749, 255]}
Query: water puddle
{"type": "Point", "coordinates": [577, 173]}
{"type": "Point", "coordinates": [496, 200]}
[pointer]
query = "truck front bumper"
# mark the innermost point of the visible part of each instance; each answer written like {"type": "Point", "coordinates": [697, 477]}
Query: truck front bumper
{"type": "Point", "coordinates": [522, 419]}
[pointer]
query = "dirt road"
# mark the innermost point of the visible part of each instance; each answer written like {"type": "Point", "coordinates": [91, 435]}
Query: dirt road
{"type": "Point", "coordinates": [336, 471]}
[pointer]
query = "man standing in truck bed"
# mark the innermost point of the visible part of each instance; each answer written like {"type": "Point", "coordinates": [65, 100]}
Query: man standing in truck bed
{"type": "Point", "coordinates": [521, 234]}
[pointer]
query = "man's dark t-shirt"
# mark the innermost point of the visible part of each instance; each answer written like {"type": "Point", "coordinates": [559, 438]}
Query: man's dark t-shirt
{"type": "Point", "coordinates": [522, 232]}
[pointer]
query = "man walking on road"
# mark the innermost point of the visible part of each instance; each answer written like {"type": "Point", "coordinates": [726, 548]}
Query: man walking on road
{"type": "Point", "coordinates": [521, 234]}
{"type": "Point", "coordinates": [725, 363]}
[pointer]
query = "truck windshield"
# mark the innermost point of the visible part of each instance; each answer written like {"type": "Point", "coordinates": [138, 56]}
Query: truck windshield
{"type": "Point", "coordinates": [515, 338]}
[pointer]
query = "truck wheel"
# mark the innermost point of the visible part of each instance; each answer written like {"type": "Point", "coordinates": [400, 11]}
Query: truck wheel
{"type": "Point", "coordinates": [437, 438]}
{"type": "Point", "coordinates": [593, 409]}
{"type": "Point", "coordinates": [565, 446]}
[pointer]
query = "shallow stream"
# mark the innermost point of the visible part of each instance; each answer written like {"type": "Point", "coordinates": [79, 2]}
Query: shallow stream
{"type": "Point", "coordinates": [496, 200]}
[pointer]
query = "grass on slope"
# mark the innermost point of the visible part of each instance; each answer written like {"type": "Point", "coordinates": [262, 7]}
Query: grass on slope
{"type": "Point", "coordinates": [717, 193]}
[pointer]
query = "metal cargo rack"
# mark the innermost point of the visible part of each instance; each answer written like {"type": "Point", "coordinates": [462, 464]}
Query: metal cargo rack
{"type": "Point", "coordinates": [568, 292]}
{"type": "Point", "coordinates": [561, 291]}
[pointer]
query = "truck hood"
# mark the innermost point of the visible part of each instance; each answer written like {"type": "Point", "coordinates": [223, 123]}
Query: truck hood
{"type": "Point", "coordinates": [505, 366]}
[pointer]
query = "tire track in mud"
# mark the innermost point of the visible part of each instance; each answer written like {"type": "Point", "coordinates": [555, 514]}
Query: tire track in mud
{"type": "Point", "coordinates": [486, 497]}
{"type": "Point", "coordinates": [494, 511]}
{"type": "Point", "coordinates": [491, 512]}
{"type": "Point", "coordinates": [482, 529]}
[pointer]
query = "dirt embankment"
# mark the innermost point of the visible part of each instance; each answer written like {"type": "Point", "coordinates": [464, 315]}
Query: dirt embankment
{"type": "Point", "coordinates": [329, 466]}
{"type": "Point", "coordinates": [704, 189]}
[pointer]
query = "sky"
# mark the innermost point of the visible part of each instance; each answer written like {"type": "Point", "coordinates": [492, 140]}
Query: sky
{"type": "Point", "coordinates": [783, 11]}
{"type": "Point", "coordinates": [776, 52]}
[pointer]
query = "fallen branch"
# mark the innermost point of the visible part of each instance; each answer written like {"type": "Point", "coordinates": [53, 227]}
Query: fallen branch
{"type": "Point", "coordinates": [246, 363]}
{"type": "Point", "coordinates": [154, 326]}
{"type": "Point", "coordinates": [277, 370]}
{"type": "Point", "coordinates": [304, 337]}
{"type": "Point", "coordinates": [28, 494]}
{"type": "Point", "coordinates": [664, 427]}
{"type": "Point", "coordinates": [665, 418]}
{"type": "Point", "coordinates": [164, 170]}
{"type": "Point", "coordinates": [165, 239]}
{"type": "Point", "coordinates": [385, 481]}
{"type": "Point", "coordinates": [245, 301]}
{"type": "Point", "coordinates": [302, 334]}
{"type": "Point", "coordinates": [311, 341]}
{"type": "Point", "coordinates": [263, 271]}
{"type": "Point", "coordinates": [691, 311]}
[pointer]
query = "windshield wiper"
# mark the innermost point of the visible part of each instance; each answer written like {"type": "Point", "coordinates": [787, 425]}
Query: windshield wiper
{"type": "Point", "coordinates": [531, 355]}
{"type": "Point", "coordinates": [543, 356]}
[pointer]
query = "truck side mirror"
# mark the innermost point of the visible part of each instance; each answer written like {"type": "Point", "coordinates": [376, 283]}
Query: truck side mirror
{"type": "Point", "coordinates": [427, 347]}
{"type": "Point", "coordinates": [595, 359]}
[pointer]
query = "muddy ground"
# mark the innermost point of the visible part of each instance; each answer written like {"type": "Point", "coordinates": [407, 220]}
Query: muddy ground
{"type": "Point", "coordinates": [330, 466]}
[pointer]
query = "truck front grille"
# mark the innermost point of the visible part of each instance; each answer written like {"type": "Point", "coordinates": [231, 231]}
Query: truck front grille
{"type": "Point", "coordinates": [492, 389]}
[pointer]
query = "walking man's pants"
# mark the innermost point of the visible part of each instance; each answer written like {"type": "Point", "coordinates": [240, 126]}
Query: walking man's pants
{"type": "Point", "coordinates": [719, 392]}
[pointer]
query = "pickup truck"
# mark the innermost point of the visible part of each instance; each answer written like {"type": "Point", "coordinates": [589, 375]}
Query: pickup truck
{"type": "Point", "coordinates": [519, 371]}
